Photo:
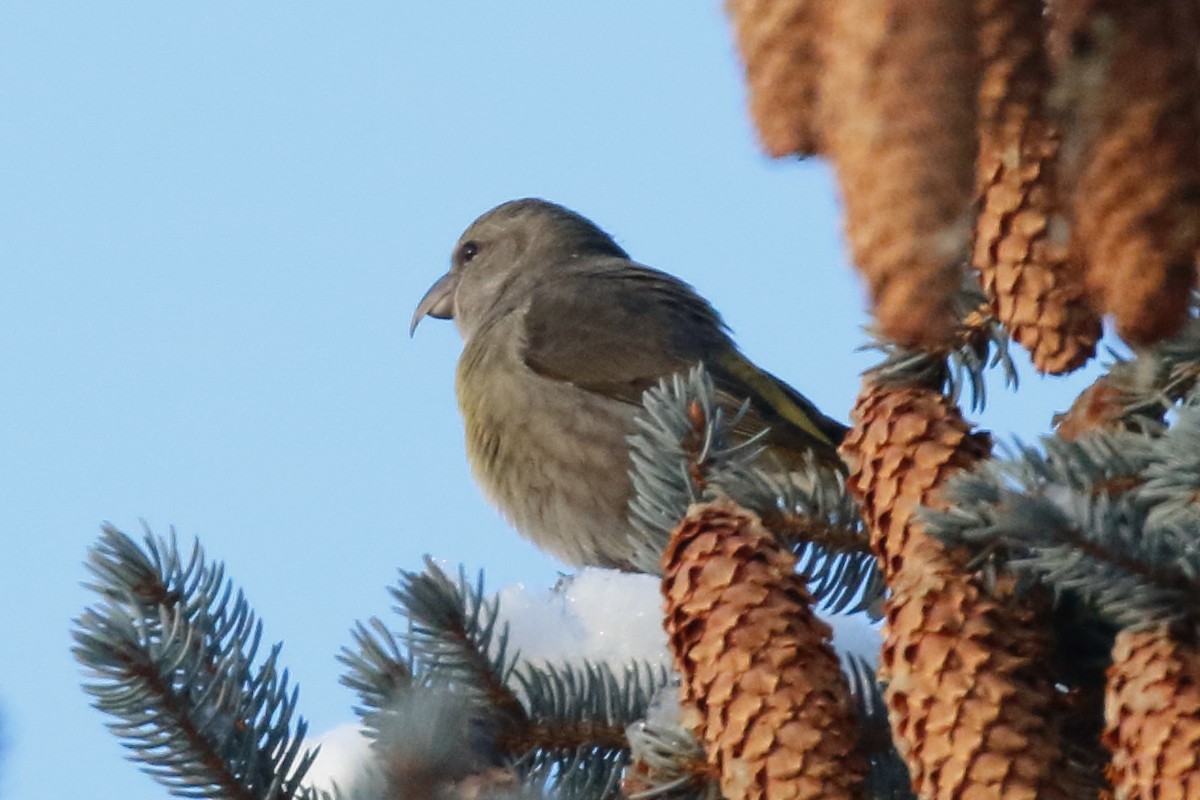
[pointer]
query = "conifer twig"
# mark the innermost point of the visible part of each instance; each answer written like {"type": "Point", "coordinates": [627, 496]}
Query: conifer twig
{"type": "Point", "coordinates": [170, 651]}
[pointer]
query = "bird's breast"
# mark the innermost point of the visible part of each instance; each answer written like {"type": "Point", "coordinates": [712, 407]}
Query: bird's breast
{"type": "Point", "coordinates": [552, 456]}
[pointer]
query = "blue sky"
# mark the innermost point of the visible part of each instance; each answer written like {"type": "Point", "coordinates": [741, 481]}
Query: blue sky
{"type": "Point", "coordinates": [215, 221]}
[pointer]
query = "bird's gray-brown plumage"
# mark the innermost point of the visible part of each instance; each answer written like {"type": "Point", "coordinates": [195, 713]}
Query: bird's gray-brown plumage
{"type": "Point", "coordinates": [563, 333]}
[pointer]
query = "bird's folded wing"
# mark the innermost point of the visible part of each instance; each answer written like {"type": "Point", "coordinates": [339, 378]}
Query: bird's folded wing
{"type": "Point", "coordinates": [615, 328]}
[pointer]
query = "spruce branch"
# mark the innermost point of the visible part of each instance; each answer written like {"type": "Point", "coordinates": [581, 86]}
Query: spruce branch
{"type": "Point", "coordinates": [981, 343]}
{"type": "Point", "coordinates": [587, 774]}
{"type": "Point", "coordinates": [377, 670]}
{"type": "Point", "coordinates": [578, 718]}
{"type": "Point", "coordinates": [169, 651]}
{"type": "Point", "coordinates": [1110, 516]}
{"type": "Point", "coordinates": [426, 738]}
{"type": "Point", "coordinates": [453, 632]}
{"type": "Point", "coordinates": [1139, 393]}
{"type": "Point", "coordinates": [1172, 484]}
{"type": "Point", "coordinates": [684, 452]}
{"type": "Point", "coordinates": [587, 705]}
{"type": "Point", "coordinates": [553, 730]}
{"type": "Point", "coordinates": [425, 747]}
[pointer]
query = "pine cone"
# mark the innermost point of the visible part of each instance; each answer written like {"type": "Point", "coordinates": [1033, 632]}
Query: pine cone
{"type": "Point", "coordinates": [898, 117]}
{"type": "Point", "coordinates": [761, 683]}
{"type": "Point", "coordinates": [1152, 716]}
{"type": "Point", "coordinates": [1131, 79]}
{"type": "Point", "coordinates": [779, 41]}
{"type": "Point", "coordinates": [969, 689]}
{"type": "Point", "coordinates": [1021, 243]}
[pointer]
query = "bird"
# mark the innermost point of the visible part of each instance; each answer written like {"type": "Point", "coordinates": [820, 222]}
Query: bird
{"type": "Point", "coordinates": [562, 333]}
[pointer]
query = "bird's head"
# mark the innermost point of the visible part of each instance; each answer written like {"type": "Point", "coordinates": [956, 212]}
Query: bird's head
{"type": "Point", "coordinates": [503, 255]}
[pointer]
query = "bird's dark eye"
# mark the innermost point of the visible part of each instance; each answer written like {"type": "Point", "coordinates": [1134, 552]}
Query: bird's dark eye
{"type": "Point", "coordinates": [467, 251]}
